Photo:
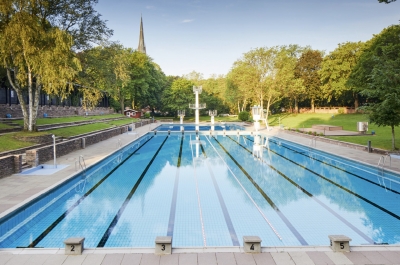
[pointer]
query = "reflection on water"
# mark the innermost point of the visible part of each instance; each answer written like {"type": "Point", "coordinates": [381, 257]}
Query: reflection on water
{"type": "Point", "coordinates": [317, 194]}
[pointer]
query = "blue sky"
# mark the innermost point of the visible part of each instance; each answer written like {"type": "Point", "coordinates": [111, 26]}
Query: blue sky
{"type": "Point", "coordinates": [208, 36]}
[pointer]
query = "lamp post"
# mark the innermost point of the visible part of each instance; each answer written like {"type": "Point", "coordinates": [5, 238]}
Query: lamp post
{"type": "Point", "coordinates": [54, 150]}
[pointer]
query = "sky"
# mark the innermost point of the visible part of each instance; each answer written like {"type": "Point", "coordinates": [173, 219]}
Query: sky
{"type": "Point", "coordinates": [208, 36]}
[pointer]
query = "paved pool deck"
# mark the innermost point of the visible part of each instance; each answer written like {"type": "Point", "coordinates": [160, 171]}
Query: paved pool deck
{"type": "Point", "coordinates": [17, 189]}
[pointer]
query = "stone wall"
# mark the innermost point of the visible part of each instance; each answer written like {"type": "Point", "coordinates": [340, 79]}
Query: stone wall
{"type": "Point", "coordinates": [52, 111]}
{"type": "Point", "coordinates": [10, 165]}
{"type": "Point", "coordinates": [333, 110]}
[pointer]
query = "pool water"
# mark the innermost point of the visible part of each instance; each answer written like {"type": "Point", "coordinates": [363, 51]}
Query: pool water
{"type": "Point", "coordinates": [192, 127]}
{"type": "Point", "coordinates": [212, 191]}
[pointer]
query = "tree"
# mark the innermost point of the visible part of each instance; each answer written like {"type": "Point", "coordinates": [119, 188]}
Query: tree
{"type": "Point", "coordinates": [37, 38]}
{"type": "Point", "coordinates": [336, 68]}
{"type": "Point", "coordinates": [386, 1]}
{"type": "Point", "coordinates": [179, 95]}
{"type": "Point", "coordinates": [377, 76]}
{"type": "Point", "coordinates": [307, 69]}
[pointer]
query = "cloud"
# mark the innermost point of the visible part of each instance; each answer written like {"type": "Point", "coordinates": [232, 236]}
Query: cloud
{"type": "Point", "coordinates": [187, 20]}
{"type": "Point", "coordinates": [149, 7]}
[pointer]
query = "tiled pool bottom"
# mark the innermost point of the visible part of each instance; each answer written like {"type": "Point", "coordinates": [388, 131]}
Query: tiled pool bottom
{"type": "Point", "coordinates": [211, 189]}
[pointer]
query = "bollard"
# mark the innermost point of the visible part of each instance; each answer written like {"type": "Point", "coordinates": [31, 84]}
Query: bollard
{"type": "Point", "coordinates": [369, 147]}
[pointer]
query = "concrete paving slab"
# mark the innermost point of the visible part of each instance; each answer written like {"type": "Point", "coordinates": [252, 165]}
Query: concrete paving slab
{"type": "Point", "coordinates": [282, 258]}
{"type": "Point", "coordinates": [300, 258]}
{"type": "Point", "coordinates": [55, 260]}
{"type": "Point", "coordinates": [188, 258]}
{"type": "Point", "coordinates": [169, 259]}
{"type": "Point", "coordinates": [264, 259]}
{"type": "Point", "coordinates": [18, 260]}
{"type": "Point", "coordinates": [150, 259]}
{"type": "Point", "coordinates": [74, 259]}
{"type": "Point", "coordinates": [339, 258]}
{"type": "Point", "coordinates": [4, 258]}
{"type": "Point", "coordinates": [206, 259]}
{"type": "Point", "coordinates": [244, 259]}
{"type": "Point", "coordinates": [131, 259]}
{"type": "Point", "coordinates": [319, 258]}
{"type": "Point", "coordinates": [225, 258]}
{"type": "Point", "coordinates": [111, 259]}
{"type": "Point", "coordinates": [95, 259]}
{"type": "Point", "coordinates": [375, 257]}
{"type": "Point", "coordinates": [357, 258]}
{"type": "Point", "coordinates": [391, 256]}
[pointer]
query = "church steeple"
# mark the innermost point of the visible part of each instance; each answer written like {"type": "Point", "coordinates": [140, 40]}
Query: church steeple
{"type": "Point", "coordinates": [141, 46]}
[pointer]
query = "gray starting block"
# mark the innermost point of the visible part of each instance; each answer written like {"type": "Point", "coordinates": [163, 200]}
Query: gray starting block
{"type": "Point", "coordinates": [74, 245]}
{"type": "Point", "coordinates": [163, 245]}
{"type": "Point", "coordinates": [252, 244]}
{"type": "Point", "coordinates": [340, 243]}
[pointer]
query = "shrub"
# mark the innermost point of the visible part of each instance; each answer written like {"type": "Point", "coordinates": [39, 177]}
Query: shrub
{"type": "Point", "coordinates": [340, 110]}
{"type": "Point", "coordinates": [244, 116]}
{"type": "Point", "coordinates": [147, 115]}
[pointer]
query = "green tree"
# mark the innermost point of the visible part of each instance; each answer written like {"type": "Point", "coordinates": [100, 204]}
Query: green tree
{"type": "Point", "coordinates": [386, 1]}
{"type": "Point", "coordinates": [178, 96]}
{"type": "Point", "coordinates": [377, 76]}
{"type": "Point", "coordinates": [307, 69]}
{"type": "Point", "coordinates": [336, 68]}
{"type": "Point", "coordinates": [36, 42]}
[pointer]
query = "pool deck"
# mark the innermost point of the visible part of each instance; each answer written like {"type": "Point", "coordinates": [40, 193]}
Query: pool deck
{"type": "Point", "coordinates": [16, 190]}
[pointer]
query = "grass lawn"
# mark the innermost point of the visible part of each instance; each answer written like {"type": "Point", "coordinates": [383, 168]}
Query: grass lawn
{"type": "Point", "coordinates": [8, 142]}
{"type": "Point", "coordinates": [75, 130]}
{"type": "Point", "coordinates": [5, 126]}
{"type": "Point", "coordinates": [381, 139]}
{"type": "Point", "coordinates": [43, 121]}
{"type": "Point", "coordinates": [122, 122]}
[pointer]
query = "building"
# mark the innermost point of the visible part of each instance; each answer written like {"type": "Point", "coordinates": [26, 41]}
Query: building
{"type": "Point", "coordinates": [141, 46]}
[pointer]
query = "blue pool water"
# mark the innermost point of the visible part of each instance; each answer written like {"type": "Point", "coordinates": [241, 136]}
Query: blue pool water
{"type": "Point", "coordinates": [193, 127]}
{"type": "Point", "coordinates": [212, 192]}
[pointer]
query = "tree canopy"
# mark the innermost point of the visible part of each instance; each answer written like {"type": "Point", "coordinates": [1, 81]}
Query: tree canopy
{"type": "Point", "coordinates": [377, 77]}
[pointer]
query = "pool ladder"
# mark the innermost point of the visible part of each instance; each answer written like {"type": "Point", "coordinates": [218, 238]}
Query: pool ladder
{"type": "Point", "coordinates": [313, 142]}
{"type": "Point", "coordinates": [381, 163]}
{"type": "Point", "coordinates": [119, 144]}
{"type": "Point", "coordinates": [80, 163]}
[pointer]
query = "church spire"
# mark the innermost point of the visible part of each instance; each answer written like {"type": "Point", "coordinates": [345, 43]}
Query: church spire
{"type": "Point", "coordinates": [141, 46]}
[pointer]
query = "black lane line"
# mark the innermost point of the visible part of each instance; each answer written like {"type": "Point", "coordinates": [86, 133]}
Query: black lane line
{"type": "Point", "coordinates": [59, 219]}
{"type": "Point", "coordinates": [336, 167]}
{"type": "Point", "coordinates": [227, 217]}
{"type": "Point", "coordinates": [114, 222]}
{"type": "Point", "coordinates": [341, 187]}
{"type": "Point", "coordinates": [171, 222]}
{"type": "Point", "coordinates": [268, 199]}
{"type": "Point", "coordinates": [355, 229]}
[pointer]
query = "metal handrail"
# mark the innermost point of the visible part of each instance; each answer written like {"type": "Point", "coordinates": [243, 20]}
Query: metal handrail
{"type": "Point", "coordinates": [82, 163]}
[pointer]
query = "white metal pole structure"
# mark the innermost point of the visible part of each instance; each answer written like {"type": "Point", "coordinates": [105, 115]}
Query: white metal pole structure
{"type": "Point", "coordinates": [181, 114]}
{"type": "Point", "coordinates": [256, 111]}
{"type": "Point", "coordinates": [197, 106]}
{"type": "Point", "coordinates": [54, 150]}
{"type": "Point", "coordinates": [212, 114]}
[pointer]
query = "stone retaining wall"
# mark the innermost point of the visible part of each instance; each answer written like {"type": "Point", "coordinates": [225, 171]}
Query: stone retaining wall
{"type": "Point", "coordinates": [10, 165]}
{"type": "Point", "coordinates": [53, 111]}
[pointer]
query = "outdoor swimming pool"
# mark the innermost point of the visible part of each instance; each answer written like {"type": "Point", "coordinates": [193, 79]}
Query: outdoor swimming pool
{"type": "Point", "coordinates": [212, 192]}
{"type": "Point", "coordinates": [192, 127]}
